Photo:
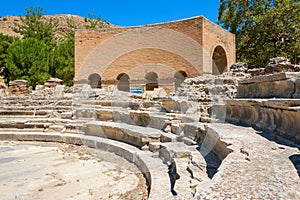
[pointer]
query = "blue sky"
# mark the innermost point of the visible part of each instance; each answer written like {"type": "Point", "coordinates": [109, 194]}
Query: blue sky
{"type": "Point", "coordinates": [122, 13]}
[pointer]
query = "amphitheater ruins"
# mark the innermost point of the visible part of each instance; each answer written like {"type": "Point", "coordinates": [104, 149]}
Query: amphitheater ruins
{"type": "Point", "coordinates": [222, 132]}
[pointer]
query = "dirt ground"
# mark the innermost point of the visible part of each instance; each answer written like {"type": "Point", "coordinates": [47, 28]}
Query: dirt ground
{"type": "Point", "coordinates": [36, 170]}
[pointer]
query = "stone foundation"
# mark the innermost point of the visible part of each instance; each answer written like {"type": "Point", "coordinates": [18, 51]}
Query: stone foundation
{"type": "Point", "coordinates": [281, 116]}
{"type": "Point", "coordinates": [268, 102]}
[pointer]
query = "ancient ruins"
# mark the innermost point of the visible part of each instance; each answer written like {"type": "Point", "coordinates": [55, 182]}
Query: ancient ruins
{"type": "Point", "coordinates": [234, 135]}
{"type": "Point", "coordinates": [159, 55]}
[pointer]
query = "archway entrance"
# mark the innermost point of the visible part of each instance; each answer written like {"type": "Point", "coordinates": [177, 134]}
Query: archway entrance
{"type": "Point", "coordinates": [151, 79]}
{"type": "Point", "coordinates": [219, 61]}
{"type": "Point", "coordinates": [123, 82]}
{"type": "Point", "coordinates": [179, 77]}
{"type": "Point", "coordinates": [95, 80]}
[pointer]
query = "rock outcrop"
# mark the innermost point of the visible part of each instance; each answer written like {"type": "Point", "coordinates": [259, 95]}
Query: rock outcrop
{"type": "Point", "coordinates": [7, 23]}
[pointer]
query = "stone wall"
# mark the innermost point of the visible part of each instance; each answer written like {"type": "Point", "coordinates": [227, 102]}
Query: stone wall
{"type": "Point", "coordinates": [18, 87]}
{"type": "Point", "coordinates": [268, 102]}
{"type": "Point", "coordinates": [279, 85]}
{"type": "Point", "coordinates": [281, 116]}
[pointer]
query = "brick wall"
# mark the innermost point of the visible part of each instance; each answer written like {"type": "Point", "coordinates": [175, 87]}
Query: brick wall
{"type": "Point", "coordinates": [185, 45]}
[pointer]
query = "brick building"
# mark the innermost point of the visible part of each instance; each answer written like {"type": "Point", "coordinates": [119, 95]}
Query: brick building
{"type": "Point", "coordinates": [158, 55]}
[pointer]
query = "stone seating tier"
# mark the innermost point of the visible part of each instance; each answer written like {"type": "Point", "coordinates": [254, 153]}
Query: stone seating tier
{"type": "Point", "coordinates": [156, 136]}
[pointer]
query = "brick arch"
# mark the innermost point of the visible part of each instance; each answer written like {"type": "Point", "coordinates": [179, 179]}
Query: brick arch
{"type": "Point", "coordinates": [95, 80]}
{"type": "Point", "coordinates": [219, 60]}
{"type": "Point", "coordinates": [123, 82]}
{"type": "Point", "coordinates": [152, 81]}
{"type": "Point", "coordinates": [139, 62]}
{"type": "Point", "coordinates": [172, 41]}
{"type": "Point", "coordinates": [179, 77]}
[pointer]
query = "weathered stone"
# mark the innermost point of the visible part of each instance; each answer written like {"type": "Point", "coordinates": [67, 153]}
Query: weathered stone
{"type": "Point", "coordinates": [171, 105]}
{"type": "Point", "coordinates": [297, 92]}
{"type": "Point", "coordinates": [176, 129]}
{"type": "Point", "coordinates": [281, 116]}
{"type": "Point", "coordinates": [18, 87]}
{"type": "Point", "coordinates": [138, 136]}
{"type": "Point", "coordinates": [194, 131]}
{"type": "Point", "coordinates": [104, 114]}
{"type": "Point", "coordinates": [278, 89]}
{"type": "Point", "coordinates": [207, 119]}
{"type": "Point", "coordinates": [53, 82]}
{"type": "Point", "coordinates": [265, 78]}
{"type": "Point", "coordinates": [167, 137]}
{"type": "Point", "coordinates": [279, 60]}
{"type": "Point", "coordinates": [186, 141]}
{"type": "Point", "coordinates": [140, 118]}
{"type": "Point", "coordinates": [239, 67]}
{"type": "Point", "coordinates": [154, 146]}
{"type": "Point", "coordinates": [66, 115]}
{"type": "Point", "coordinates": [167, 129]}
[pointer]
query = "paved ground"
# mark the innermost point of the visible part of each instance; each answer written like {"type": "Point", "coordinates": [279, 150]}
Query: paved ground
{"type": "Point", "coordinates": [60, 171]}
{"type": "Point", "coordinates": [262, 166]}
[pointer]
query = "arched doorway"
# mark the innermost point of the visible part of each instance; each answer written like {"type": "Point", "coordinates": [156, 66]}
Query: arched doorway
{"type": "Point", "coordinates": [123, 82]}
{"type": "Point", "coordinates": [179, 77]}
{"type": "Point", "coordinates": [219, 61]}
{"type": "Point", "coordinates": [95, 80]}
{"type": "Point", "coordinates": [151, 79]}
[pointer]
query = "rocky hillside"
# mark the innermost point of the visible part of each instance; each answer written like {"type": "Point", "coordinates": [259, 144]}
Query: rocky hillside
{"type": "Point", "coordinates": [7, 22]}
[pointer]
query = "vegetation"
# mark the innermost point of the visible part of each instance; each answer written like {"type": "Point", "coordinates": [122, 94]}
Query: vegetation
{"type": "Point", "coordinates": [263, 28]}
{"type": "Point", "coordinates": [41, 53]}
{"type": "Point", "coordinates": [62, 61]}
{"type": "Point", "coordinates": [95, 22]}
{"type": "Point", "coordinates": [5, 42]}
{"type": "Point", "coordinates": [34, 26]}
{"type": "Point", "coordinates": [28, 59]}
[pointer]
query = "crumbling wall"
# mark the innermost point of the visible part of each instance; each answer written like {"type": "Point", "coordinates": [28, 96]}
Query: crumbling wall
{"type": "Point", "coordinates": [269, 101]}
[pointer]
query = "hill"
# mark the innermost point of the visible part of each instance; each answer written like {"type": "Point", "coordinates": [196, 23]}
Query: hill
{"type": "Point", "coordinates": [7, 23]}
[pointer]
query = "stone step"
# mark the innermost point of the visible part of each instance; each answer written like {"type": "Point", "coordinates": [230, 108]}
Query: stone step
{"type": "Point", "coordinates": [24, 113]}
{"type": "Point", "coordinates": [23, 125]}
{"type": "Point", "coordinates": [15, 130]}
{"type": "Point", "coordinates": [131, 134]}
{"type": "Point", "coordinates": [55, 128]}
{"type": "Point", "coordinates": [140, 118]}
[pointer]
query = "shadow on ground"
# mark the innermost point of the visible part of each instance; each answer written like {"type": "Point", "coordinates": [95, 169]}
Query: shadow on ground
{"type": "Point", "coordinates": [295, 159]}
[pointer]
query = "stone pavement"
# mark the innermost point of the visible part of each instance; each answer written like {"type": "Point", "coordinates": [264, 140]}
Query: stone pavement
{"type": "Point", "coordinates": [35, 170]}
{"type": "Point", "coordinates": [256, 169]}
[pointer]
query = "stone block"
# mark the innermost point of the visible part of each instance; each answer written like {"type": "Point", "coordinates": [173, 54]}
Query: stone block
{"type": "Point", "coordinates": [66, 115]}
{"type": "Point", "coordinates": [140, 118]}
{"type": "Point", "coordinates": [176, 129]}
{"type": "Point", "coordinates": [154, 146]}
{"type": "Point", "coordinates": [274, 89]}
{"type": "Point", "coordinates": [171, 105]}
{"type": "Point", "coordinates": [297, 89]}
{"type": "Point", "coordinates": [264, 78]}
{"type": "Point", "coordinates": [104, 115]}
{"type": "Point", "coordinates": [131, 134]}
{"type": "Point", "coordinates": [281, 116]}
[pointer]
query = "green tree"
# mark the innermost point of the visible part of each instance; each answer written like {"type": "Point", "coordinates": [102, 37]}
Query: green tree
{"type": "Point", "coordinates": [28, 59]}
{"type": "Point", "coordinates": [5, 42]}
{"type": "Point", "coordinates": [263, 28]}
{"type": "Point", "coordinates": [72, 26]}
{"type": "Point", "coordinates": [95, 22]}
{"type": "Point", "coordinates": [62, 61]}
{"type": "Point", "coordinates": [33, 25]}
